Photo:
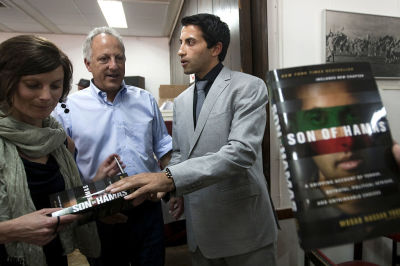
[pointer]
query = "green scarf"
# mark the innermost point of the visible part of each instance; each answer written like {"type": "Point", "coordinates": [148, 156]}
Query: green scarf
{"type": "Point", "coordinates": [15, 199]}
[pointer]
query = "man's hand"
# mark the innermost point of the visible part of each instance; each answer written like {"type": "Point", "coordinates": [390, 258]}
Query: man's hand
{"type": "Point", "coordinates": [396, 153]}
{"type": "Point", "coordinates": [145, 184]}
{"type": "Point", "coordinates": [165, 159]}
{"type": "Point", "coordinates": [108, 167]}
{"type": "Point", "coordinates": [176, 207]}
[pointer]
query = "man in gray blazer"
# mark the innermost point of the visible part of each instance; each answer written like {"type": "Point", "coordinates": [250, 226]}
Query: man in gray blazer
{"type": "Point", "coordinates": [216, 163]}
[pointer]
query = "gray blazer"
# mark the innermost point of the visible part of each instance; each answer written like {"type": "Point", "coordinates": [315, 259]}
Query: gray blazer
{"type": "Point", "coordinates": [218, 167]}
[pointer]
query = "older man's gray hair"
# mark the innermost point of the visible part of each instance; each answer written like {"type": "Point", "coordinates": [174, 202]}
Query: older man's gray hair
{"type": "Point", "coordinates": [87, 45]}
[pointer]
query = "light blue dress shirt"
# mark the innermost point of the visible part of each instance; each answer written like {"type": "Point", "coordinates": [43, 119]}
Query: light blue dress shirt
{"type": "Point", "coordinates": [131, 126]}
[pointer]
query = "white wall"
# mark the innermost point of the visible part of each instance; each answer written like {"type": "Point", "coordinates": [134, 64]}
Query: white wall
{"type": "Point", "coordinates": [296, 38]}
{"type": "Point", "coordinates": [147, 57]}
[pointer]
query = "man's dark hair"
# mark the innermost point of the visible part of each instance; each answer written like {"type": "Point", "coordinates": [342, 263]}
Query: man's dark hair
{"type": "Point", "coordinates": [214, 30]}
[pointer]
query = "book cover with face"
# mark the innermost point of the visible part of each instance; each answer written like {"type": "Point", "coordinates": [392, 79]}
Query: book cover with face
{"type": "Point", "coordinates": [336, 150]}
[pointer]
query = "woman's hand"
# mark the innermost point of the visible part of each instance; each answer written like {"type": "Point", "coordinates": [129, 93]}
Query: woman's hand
{"type": "Point", "coordinates": [34, 228]}
{"type": "Point", "coordinates": [108, 167]}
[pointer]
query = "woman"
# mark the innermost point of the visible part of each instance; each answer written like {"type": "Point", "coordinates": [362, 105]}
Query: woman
{"type": "Point", "coordinates": [34, 160]}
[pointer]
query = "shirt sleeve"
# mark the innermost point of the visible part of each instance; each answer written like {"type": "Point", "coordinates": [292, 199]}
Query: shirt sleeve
{"type": "Point", "coordinates": [162, 141]}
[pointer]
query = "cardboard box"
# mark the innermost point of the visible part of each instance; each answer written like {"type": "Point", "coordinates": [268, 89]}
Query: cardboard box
{"type": "Point", "coordinates": [169, 92]}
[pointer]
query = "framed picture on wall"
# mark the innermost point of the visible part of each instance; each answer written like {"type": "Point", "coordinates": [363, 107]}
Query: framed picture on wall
{"type": "Point", "coordinates": [363, 37]}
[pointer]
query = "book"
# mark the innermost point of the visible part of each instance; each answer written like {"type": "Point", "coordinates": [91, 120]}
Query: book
{"type": "Point", "coordinates": [335, 145]}
{"type": "Point", "coordinates": [91, 199]}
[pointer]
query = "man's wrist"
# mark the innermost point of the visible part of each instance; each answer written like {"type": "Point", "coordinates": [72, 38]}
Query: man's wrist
{"type": "Point", "coordinates": [167, 195]}
{"type": "Point", "coordinates": [169, 176]}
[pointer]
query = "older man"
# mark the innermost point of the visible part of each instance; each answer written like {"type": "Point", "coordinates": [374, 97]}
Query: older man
{"type": "Point", "coordinates": [112, 117]}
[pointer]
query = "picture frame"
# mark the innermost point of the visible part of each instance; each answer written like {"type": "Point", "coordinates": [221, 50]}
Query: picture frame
{"type": "Point", "coordinates": [357, 37]}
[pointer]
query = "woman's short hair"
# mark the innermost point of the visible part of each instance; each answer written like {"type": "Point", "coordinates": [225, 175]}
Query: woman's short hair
{"type": "Point", "coordinates": [29, 55]}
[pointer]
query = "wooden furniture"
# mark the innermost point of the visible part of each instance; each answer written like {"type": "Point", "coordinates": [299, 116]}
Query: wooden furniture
{"type": "Point", "coordinates": [318, 258]}
{"type": "Point", "coordinates": [395, 257]}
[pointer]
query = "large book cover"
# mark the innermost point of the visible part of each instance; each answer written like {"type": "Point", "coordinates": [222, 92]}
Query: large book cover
{"type": "Point", "coordinates": [335, 144]}
{"type": "Point", "coordinates": [91, 199]}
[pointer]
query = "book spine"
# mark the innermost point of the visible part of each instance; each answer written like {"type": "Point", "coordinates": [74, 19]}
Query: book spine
{"type": "Point", "coordinates": [282, 149]}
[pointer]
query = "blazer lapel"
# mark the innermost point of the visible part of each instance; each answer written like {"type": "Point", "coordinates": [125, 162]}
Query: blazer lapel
{"type": "Point", "coordinates": [220, 83]}
{"type": "Point", "coordinates": [188, 116]}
